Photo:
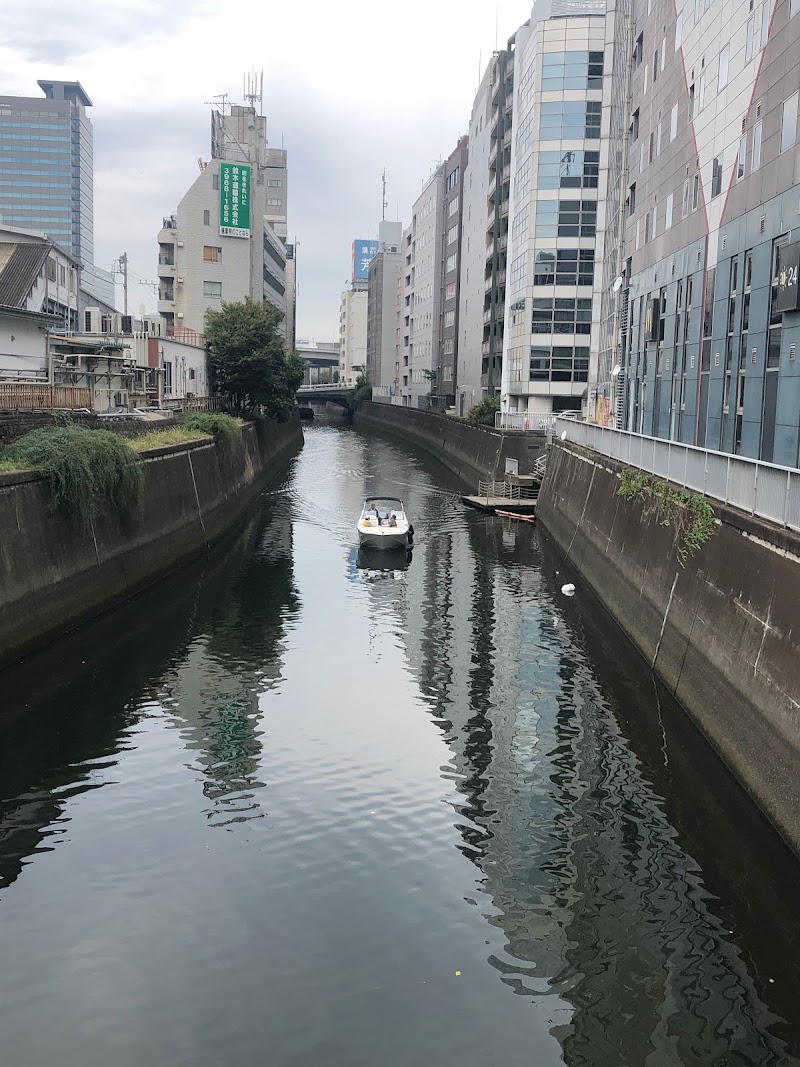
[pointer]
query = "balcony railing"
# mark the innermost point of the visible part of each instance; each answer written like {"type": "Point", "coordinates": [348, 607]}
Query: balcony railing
{"type": "Point", "coordinates": [166, 259]}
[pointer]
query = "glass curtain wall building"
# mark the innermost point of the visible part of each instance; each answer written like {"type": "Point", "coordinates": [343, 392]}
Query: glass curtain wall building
{"type": "Point", "coordinates": [46, 166]}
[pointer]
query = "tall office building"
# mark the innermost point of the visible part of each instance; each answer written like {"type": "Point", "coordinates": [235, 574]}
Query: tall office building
{"type": "Point", "coordinates": [423, 272]}
{"type": "Point", "coordinates": [446, 381]}
{"type": "Point", "coordinates": [227, 240]}
{"type": "Point", "coordinates": [500, 134]}
{"type": "Point", "coordinates": [704, 326]}
{"type": "Point", "coordinates": [383, 271]}
{"type": "Point", "coordinates": [353, 333]}
{"type": "Point", "coordinates": [474, 281]}
{"type": "Point", "coordinates": [557, 177]}
{"type": "Point", "coordinates": [47, 175]}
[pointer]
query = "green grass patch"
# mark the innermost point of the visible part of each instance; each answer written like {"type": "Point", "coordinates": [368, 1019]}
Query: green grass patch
{"type": "Point", "coordinates": [689, 514]}
{"type": "Point", "coordinates": [83, 468]}
{"type": "Point", "coordinates": [175, 435]}
{"type": "Point", "coordinates": [225, 428]}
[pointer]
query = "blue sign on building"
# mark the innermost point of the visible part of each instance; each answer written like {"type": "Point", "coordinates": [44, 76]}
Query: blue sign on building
{"type": "Point", "coordinates": [363, 251]}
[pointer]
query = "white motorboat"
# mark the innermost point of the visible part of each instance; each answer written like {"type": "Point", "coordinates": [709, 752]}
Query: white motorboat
{"type": "Point", "coordinates": [383, 523]}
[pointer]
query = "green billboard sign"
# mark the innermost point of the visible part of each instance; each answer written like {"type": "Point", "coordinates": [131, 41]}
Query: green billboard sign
{"type": "Point", "coordinates": [234, 200]}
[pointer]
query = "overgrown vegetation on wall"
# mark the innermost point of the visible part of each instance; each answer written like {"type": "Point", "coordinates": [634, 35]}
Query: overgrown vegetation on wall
{"type": "Point", "coordinates": [226, 429]}
{"type": "Point", "coordinates": [83, 468]}
{"type": "Point", "coordinates": [689, 515]}
{"type": "Point", "coordinates": [363, 391]}
{"type": "Point", "coordinates": [89, 469]}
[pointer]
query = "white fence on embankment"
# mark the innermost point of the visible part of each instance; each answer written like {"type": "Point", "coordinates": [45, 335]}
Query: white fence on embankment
{"type": "Point", "coordinates": [762, 489]}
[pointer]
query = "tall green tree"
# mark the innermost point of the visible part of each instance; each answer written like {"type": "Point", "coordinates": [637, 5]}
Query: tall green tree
{"type": "Point", "coordinates": [248, 362]}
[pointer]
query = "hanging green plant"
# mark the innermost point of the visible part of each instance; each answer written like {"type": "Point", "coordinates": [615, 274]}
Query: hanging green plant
{"type": "Point", "coordinates": [690, 515]}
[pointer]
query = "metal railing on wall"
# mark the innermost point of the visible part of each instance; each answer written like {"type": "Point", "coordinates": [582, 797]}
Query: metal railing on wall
{"type": "Point", "coordinates": [763, 489]}
{"type": "Point", "coordinates": [527, 420]}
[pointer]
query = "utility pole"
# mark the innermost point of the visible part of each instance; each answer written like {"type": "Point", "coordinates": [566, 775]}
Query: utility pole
{"type": "Point", "coordinates": [123, 269]}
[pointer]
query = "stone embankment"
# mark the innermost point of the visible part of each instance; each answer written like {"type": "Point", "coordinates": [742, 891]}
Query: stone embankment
{"type": "Point", "coordinates": [474, 453]}
{"type": "Point", "coordinates": [720, 627]}
{"type": "Point", "coordinates": [56, 572]}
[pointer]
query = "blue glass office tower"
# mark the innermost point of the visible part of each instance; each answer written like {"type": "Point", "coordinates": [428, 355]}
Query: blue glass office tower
{"type": "Point", "coordinates": [46, 166]}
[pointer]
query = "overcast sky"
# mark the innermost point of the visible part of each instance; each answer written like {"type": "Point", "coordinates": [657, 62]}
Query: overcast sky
{"type": "Point", "coordinates": [348, 89]}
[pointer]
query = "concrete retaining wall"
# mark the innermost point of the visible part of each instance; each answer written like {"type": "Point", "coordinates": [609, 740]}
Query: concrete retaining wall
{"type": "Point", "coordinates": [471, 452]}
{"type": "Point", "coordinates": [721, 632]}
{"type": "Point", "coordinates": [55, 573]}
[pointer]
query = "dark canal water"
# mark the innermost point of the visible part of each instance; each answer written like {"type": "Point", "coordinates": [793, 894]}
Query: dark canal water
{"type": "Point", "coordinates": [285, 810]}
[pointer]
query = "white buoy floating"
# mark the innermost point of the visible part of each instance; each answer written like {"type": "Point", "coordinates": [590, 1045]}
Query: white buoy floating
{"type": "Point", "coordinates": [568, 589]}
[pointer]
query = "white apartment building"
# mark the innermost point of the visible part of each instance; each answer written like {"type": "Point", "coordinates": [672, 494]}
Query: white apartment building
{"type": "Point", "coordinates": [422, 263]}
{"type": "Point", "coordinates": [227, 240]}
{"type": "Point", "coordinates": [557, 207]}
{"type": "Point", "coordinates": [353, 334]}
{"type": "Point", "coordinates": [475, 191]}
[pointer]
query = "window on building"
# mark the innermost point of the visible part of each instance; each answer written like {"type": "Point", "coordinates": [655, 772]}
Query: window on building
{"type": "Point", "coordinates": [716, 176]}
{"type": "Point", "coordinates": [452, 207]}
{"type": "Point", "coordinates": [668, 212]}
{"type": "Point", "coordinates": [519, 227]}
{"type": "Point", "coordinates": [451, 263]}
{"type": "Point", "coordinates": [212, 254]}
{"type": "Point", "coordinates": [679, 31]}
{"type": "Point", "coordinates": [750, 39]}
{"type": "Point", "coordinates": [695, 192]}
{"type": "Point", "coordinates": [559, 363]}
{"type": "Point", "coordinates": [51, 269]}
{"type": "Point", "coordinates": [673, 124]}
{"type": "Point", "coordinates": [561, 315]}
{"type": "Point", "coordinates": [687, 190]}
{"type": "Point", "coordinates": [450, 291]}
{"type": "Point", "coordinates": [741, 157]}
{"type": "Point", "coordinates": [566, 218]}
{"type": "Point", "coordinates": [565, 266]}
{"type": "Point", "coordinates": [634, 127]}
{"type": "Point", "coordinates": [212, 288]}
{"type": "Point", "coordinates": [62, 275]}
{"type": "Point", "coordinates": [691, 102]}
{"type": "Point", "coordinates": [449, 318]}
{"type": "Point", "coordinates": [655, 66]}
{"type": "Point", "coordinates": [638, 51]}
{"type": "Point", "coordinates": [206, 218]}
{"type": "Point", "coordinates": [651, 151]}
{"type": "Point", "coordinates": [452, 235]}
{"type": "Point", "coordinates": [658, 140]}
{"type": "Point", "coordinates": [274, 201]}
{"type": "Point", "coordinates": [632, 200]}
{"type": "Point", "coordinates": [215, 181]}
{"type": "Point", "coordinates": [756, 146]}
{"type": "Point", "coordinates": [518, 271]}
{"type": "Point", "coordinates": [568, 170]}
{"type": "Point", "coordinates": [789, 122]}
{"type": "Point", "coordinates": [647, 227]}
{"type": "Point", "coordinates": [168, 377]}
{"type": "Point", "coordinates": [794, 7]}
{"type": "Point", "coordinates": [724, 64]}
{"type": "Point", "coordinates": [275, 183]}
{"type": "Point", "coordinates": [570, 120]}
{"type": "Point", "coordinates": [572, 70]}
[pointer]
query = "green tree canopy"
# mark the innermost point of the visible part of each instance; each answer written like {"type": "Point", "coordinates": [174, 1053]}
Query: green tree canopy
{"type": "Point", "coordinates": [248, 361]}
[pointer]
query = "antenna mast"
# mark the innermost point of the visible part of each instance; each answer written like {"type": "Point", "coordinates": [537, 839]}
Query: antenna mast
{"type": "Point", "coordinates": [383, 198]}
{"type": "Point", "coordinates": [254, 89]}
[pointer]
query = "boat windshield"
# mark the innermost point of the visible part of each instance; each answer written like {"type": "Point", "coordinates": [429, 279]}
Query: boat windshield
{"type": "Point", "coordinates": [383, 509]}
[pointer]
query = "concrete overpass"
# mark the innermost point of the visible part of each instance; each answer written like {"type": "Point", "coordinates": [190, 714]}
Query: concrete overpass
{"type": "Point", "coordinates": [311, 397]}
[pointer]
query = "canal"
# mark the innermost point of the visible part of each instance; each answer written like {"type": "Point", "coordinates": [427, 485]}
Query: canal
{"type": "Point", "coordinates": [291, 808]}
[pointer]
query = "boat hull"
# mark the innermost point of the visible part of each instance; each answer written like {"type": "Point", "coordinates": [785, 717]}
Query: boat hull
{"type": "Point", "coordinates": [383, 539]}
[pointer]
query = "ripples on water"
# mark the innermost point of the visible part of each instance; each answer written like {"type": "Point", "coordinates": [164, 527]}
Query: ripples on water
{"type": "Point", "coordinates": [268, 811]}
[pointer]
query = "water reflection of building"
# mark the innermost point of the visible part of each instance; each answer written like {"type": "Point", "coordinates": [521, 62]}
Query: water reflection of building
{"type": "Point", "coordinates": [602, 907]}
{"type": "Point", "coordinates": [216, 691]}
{"type": "Point", "coordinates": [66, 711]}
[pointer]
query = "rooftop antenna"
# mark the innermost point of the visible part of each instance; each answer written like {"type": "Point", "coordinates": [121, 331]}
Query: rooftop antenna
{"type": "Point", "coordinates": [383, 201]}
{"type": "Point", "coordinates": [253, 89]}
{"type": "Point", "coordinates": [220, 102]}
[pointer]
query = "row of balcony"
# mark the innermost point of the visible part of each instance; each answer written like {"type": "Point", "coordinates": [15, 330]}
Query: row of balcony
{"type": "Point", "coordinates": [498, 281]}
